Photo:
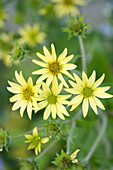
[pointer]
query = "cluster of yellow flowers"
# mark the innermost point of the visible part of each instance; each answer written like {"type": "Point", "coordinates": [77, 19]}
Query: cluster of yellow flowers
{"type": "Point", "coordinates": [48, 94]}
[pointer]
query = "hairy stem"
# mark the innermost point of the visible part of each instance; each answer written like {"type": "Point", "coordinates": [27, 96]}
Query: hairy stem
{"type": "Point", "coordinates": [82, 54]}
{"type": "Point", "coordinates": [46, 150]}
{"type": "Point", "coordinates": [72, 128]}
{"type": "Point", "coordinates": [99, 137]}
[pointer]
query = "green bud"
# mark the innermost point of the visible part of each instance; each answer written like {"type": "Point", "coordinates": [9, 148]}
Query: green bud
{"type": "Point", "coordinates": [63, 161]}
{"type": "Point", "coordinates": [18, 52]}
{"type": "Point", "coordinates": [76, 26]}
{"type": "Point", "coordinates": [4, 139]}
{"type": "Point", "coordinates": [53, 128]}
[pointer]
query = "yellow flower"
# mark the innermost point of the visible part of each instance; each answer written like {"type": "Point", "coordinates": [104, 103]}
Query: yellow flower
{"type": "Point", "coordinates": [65, 7]}
{"type": "Point", "coordinates": [54, 67]}
{"type": "Point", "coordinates": [35, 141]}
{"type": "Point", "coordinates": [73, 156]}
{"type": "Point", "coordinates": [23, 94]}
{"type": "Point", "coordinates": [87, 90]}
{"type": "Point", "coordinates": [52, 100]}
{"type": "Point", "coordinates": [31, 35]}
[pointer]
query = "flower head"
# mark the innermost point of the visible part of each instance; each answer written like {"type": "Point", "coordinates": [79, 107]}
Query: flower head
{"type": "Point", "coordinates": [31, 34]}
{"type": "Point", "coordinates": [64, 7]}
{"type": "Point", "coordinates": [65, 160]}
{"type": "Point", "coordinates": [24, 91]}
{"type": "Point", "coordinates": [54, 102]}
{"type": "Point", "coordinates": [35, 141]}
{"type": "Point", "coordinates": [87, 90]}
{"type": "Point", "coordinates": [54, 66]}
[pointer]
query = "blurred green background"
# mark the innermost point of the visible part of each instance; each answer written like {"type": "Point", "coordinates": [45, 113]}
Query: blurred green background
{"type": "Point", "coordinates": [14, 14]}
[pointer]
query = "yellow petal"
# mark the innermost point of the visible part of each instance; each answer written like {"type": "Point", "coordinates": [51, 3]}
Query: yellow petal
{"type": "Point", "coordinates": [67, 74]}
{"type": "Point", "coordinates": [17, 105]}
{"type": "Point", "coordinates": [53, 52]}
{"type": "Point", "coordinates": [30, 82]}
{"type": "Point", "coordinates": [43, 77]}
{"type": "Point", "coordinates": [53, 110]}
{"type": "Point", "coordinates": [76, 99]}
{"type": "Point", "coordinates": [103, 95]}
{"type": "Point", "coordinates": [44, 140]}
{"type": "Point", "coordinates": [92, 77]}
{"type": "Point", "coordinates": [14, 90]}
{"type": "Point", "coordinates": [15, 85]}
{"type": "Point", "coordinates": [63, 109]}
{"type": "Point", "coordinates": [47, 53]}
{"type": "Point", "coordinates": [42, 64]}
{"type": "Point", "coordinates": [98, 82]}
{"type": "Point", "coordinates": [73, 156]}
{"type": "Point", "coordinates": [28, 136]}
{"type": "Point", "coordinates": [42, 57]}
{"type": "Point", "coordinates": [42, 104]}
{"type": "Point", "coordinates": [62, 80]}
{"type": "Point", "coordinates": [85, 78]}
{"type": "Point", "coordinates": [93, 105]}
{"type": "Point", "coordinates": [69, 66]}
{"type": "Point", "coordinates": [62, 55]}
{"type": "Point", "coordinates": [49, 80]}
{"type": "Point", "coordinates": [78, 80]}
{"type": "Point", "coordinates": [29, 109]}
{"type": "Point", "coordinates": [46, 113]}
{"type": "Point", "coordinates": [23, 106]}
{"type": "Point", "coordinates": [67, 59]}
{"type": "Point", "coordinates": [16, 97]}
{"type": "Point", "coordinates": [35, 132]}
{"type": "Point", "coordinates": [101, 89]}
{"type": "Point", "coordinates": [57, 90]}
{"type": "Point", "coordinates": [85, 107]}
{"type": "Point", "coordinates": [98, 103]}
{"type": "Point", "coordinates": [40, 71]}
{"type": "Point", "coordinates": [20, 78]}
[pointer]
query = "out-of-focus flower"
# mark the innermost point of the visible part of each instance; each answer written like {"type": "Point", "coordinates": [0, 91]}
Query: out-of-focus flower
{"type": "Point", "coordinates": [23, 94]}
{"type": "Point", "coordinates": [31, 35]}
{"type": "Point", "coordinates": [3, 16]}
{"type": "Point", "coordinates": [76, 26]}
{"type": "Point", "coordinates": [54, 67]}
{"type": "Point", "coordinates": [52, 100]}
{"type": "Point", "coordinates": [48, 10]}
{"type": "Point", "coordinates": [65, 160]}
{"type": "Point", "coordinates": [87, 90]}
{"type": "Point", "coordinates": [66, 7]}
{"type": "Point", "coordinates": [35, 141]}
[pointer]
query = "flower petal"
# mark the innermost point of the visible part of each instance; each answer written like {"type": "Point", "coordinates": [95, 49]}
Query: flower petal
{"type": "Point", "coordinates": [43, 77]}
{"type": "Point", "coordinates": [78, 80]}
{"type": "Point", "coordinates": [40, 71]}
{"type": "Point", "coordinates": [44, 140]}
{"type": "Point", "coordinates": [98, 103]}
{"type": "Point", "coordinates": [85, 78]}
{"type": "Point", "coordinates": [98, 82]}
{"type": "Point", "coordinates": [62, 80]}
{"type": "Point", "coordinates": [69, 66]}
{"type": "Point", "coordinates": [67, 74]}
{"type": "Point", "coordinates": [93, 105]}
{"type": "Point", "coordinates": [67, 59]}
{"type": "Point", "coordinates": [42, 64]}
{"type": "Point", "coordinates": [62, 55]}
{"type": "Point", "coordinates": [63, 109]}
{"type": "Point", "coordinates": [53, 52]}
{"type": "Point", "coordinates": [23, 106]}
{"type": "Point", "coordinates": [92, 77]}
{"type": "Point", "coordinates": [17, 105]}
{"type": "Point", "coordinates": [16, 97]}
{"type": "Point", "coordinates": [103, 95]}
{"type": "Point", "coordinates": [29, 110]}
{"type": "Point", "coordinates": [42, 57]}
{"type": "Point", "coordinates": [76, 99]}
{"type": "Point", "coordinates": [46, 113]}
{"type": "Point", "coordinates": [53, 110]}
{"type": "Point", "coordinates": [85, 106]}
{"type": "Point", "coordinates": [20, 78]}
{"type": "Point", "coordinates": [35, 132]}
{"type": "Point", "coordinates": [47, 53]}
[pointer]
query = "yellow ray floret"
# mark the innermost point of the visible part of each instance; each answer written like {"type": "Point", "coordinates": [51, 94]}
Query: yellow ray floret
{"type": "Point", "coordinates": [35, 141]}
{"type": "Point", "coordinates": [66, 7]}
{"type": "Point", "coordinates": [53, 66]}
{"type": "Point", "coordinates": [51, 99]}
{"type": "Point", "coordinates": [87, 90]}
{"type": "Point", "coordinates": [24, 91]}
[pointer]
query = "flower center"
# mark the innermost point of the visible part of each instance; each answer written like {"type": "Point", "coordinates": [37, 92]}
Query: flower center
{"type": "Point", "coordinates": [52, 99]}
{"type": "Point", "coordinates": [32, 36]}
{"type": "Point", "coordinates": [87, 92]}
{"type": "Point", "coordinates": [68, 2]}
{"type": "Point", "coordinates": [27, 93]}
{"type": "Point", "coordinates": [54, 67]}
{"type": "Point", "coordinates": [36, 140]}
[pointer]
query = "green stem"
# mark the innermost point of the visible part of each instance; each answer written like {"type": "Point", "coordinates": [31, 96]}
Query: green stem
{"type": "Point", "coordinates": [99, 137]}
{"type": "Point", "coordinates": [28, 57]}
{"type": "Point", "coordinates": [82, 54]}
{"type": "Point", "coordinates": [47, 149]}
{"type": "Point", "coordinates": [72, 128]}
